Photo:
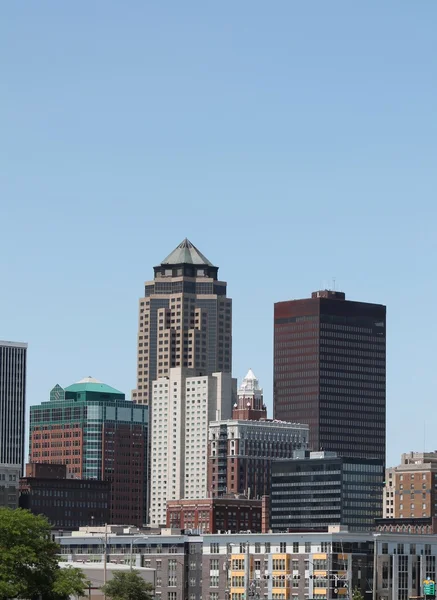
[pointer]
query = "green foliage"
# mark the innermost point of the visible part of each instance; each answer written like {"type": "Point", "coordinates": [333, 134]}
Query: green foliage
{"type": "Point", "coordinates": [28, 555]}
{"type": "Point", "coordinates": [357, 595]}
{"type": "Point", "coordinates": [29, 560]}
{"type": "Point", "coordinates": [69, 581]}
{"type": "Point", "coordinates": [128, 585]}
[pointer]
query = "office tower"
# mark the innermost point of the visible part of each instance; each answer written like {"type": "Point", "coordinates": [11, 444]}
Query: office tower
{"type": "Point", "coordinates": [315, 490]}
{"type": "Point", "coordinates": [183, 405]}
{"type": "Point", "coordinates": [241, 449]}
{"type": "Point", "coordinates": [66, 501]}
{"type": "Point", "coordinates": [13, 358]}
{"type": "Point", "coordinates": [98, 434]}
{"type": "Point", "coordinates": [185, 320]}
{"type": "Point", "coordinates": [329, 372]}
{"type": "Point", "coordinates": [410, 490]}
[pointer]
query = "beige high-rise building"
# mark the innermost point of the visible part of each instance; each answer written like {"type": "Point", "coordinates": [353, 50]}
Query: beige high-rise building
{"type": "Point", "coordinates": [185, 320]}
{"type": "Point", "coordinates": [183, 405]}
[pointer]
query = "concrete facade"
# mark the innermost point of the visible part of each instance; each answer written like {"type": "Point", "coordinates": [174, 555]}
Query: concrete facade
{"type": "Point", "coordinates": [290, 566]}
{"type": "Point", "coordinates": [240, 454]}
{"type": "Point", "coordinates": [183, 405]}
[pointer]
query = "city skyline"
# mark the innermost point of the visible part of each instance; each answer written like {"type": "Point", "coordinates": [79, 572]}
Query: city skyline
{"type": "Point", "coordinates": [292, 146]}
{"type": "Point", "coordinates": [270, 407]}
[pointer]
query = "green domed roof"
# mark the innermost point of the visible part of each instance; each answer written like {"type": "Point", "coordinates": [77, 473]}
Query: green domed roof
{"type": "Point", "coordinates": [89, 384]}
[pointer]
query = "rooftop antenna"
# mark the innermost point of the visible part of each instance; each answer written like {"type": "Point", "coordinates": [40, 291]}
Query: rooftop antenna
{"type": "Point", "coordinates": [333, 283]}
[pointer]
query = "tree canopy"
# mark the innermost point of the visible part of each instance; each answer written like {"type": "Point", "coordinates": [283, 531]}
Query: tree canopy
{"type": "Point", "coordinates": [128, 585]}
{"type": "Point", "coordinates": [357, 595]}
{"type": "Point", "coordinates": [69, 581]}
{"type": "Point", "coordinates": [29, 559]}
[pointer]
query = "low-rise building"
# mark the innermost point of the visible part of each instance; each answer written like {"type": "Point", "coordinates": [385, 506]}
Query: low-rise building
{"type": "Point", "coordinates": [67, 502]}
{"type": "Point", "coordinates": [9, 483]}
{"type": "Point", "coordinates": [274, 566]}
{"type": "Point", "coordinates": [410, 489]}
{"type": "Point", "coordinates": [176, 558]}
{"type": "Point", "coordinates": [424, 525]}
{"type": "Point", "coordinates": [216, 515]}
{"type": "Point", "coordinates": [317, 489]}
{"type": "Point", "coordinates": [97, 574]}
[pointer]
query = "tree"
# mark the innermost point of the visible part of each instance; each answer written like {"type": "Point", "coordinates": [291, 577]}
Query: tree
{"type": "Point", "coordinates": [69, 581]}
{"type": "Point", "coordinates": [128, 585]}
{"type": "Point", "coordinates": [29, 561]}
{"type": "Point", "coordinates": [357, 595]}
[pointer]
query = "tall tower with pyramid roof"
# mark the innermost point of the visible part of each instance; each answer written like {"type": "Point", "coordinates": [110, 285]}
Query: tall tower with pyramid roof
{"type": "Point", "coordinates": [185, 320]}
{"type": "Point", "coordinates": [250, 405]}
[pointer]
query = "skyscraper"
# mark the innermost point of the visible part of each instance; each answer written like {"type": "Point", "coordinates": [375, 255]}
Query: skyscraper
{"type": "Point", "coordinates": [13, 358]}
{"type": "Point", "coordinates": [185, 320]}
{"type": "Point", "coordinates": [330, 372]}
{"type": "Point", "coordinates": [90, 427]}
{"type": "Point", "coordinates": [183, 404]}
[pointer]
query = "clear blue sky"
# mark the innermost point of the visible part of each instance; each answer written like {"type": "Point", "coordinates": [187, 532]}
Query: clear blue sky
{"type": "Point", "coordinates": [292, 142]}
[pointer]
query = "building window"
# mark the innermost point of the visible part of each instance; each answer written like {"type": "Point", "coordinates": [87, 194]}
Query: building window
{"type": "Point", "coordinates": [214, 548]}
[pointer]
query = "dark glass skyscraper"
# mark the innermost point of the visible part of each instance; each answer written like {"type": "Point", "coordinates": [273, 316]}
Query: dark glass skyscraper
{"type": "Point", "coordinates": [12, 403]}
{"type": "Point", "coordinates": [330, 372]}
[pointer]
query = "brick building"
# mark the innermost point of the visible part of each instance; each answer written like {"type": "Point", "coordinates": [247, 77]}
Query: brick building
{"type": "Point", "coordinates": [423, 526]}
{"type": "Point", "coordinates": [213, 515]}
{"type": "Point", "coordinates": [67, 502]}
{"type": "Point", "coordinates": [410, 488]}
{"type": "Point", "coordinates": [241, 449]}
{"type": "Point", "coordinates": [91, 427]}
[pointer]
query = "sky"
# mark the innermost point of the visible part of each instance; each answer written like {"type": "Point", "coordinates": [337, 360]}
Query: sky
{"type": "Point", "coordinates": [294, 143]}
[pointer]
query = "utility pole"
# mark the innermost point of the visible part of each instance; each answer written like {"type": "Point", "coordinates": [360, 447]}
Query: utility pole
{"type": "Point", "coordinates": [375, 565]}
{"type": "Point", "coordinates": [247, 572]}
{"type": "Point", "coordinates": [105, 557]}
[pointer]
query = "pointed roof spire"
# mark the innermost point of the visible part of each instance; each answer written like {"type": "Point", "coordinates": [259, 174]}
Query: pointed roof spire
{"type": "Point", "coordinates": [186, 254]}
{"type": "Point", "coordinates": [250, 385]}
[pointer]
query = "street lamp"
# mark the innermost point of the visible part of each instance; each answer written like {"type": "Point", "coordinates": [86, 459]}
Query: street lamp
{"type": "Point", "coordinates": [132, 548]}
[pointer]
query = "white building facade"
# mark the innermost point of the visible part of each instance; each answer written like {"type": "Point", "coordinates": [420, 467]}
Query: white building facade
{"type": "Point", "coordinates": [183, 405]}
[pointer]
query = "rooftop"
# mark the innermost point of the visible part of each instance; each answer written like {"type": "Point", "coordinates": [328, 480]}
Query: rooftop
{"type": "Point", "coordinates": [250, 385]}
{"type": "Point", "coordinates": [90, 384]}
{"type": "Point", "coordinates": [186, 254]}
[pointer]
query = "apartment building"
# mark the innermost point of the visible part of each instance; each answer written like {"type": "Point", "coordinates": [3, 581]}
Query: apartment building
{"type": "Point", "coordinates": [287, 566]}
{"type": "Point", "coordinates": [410, 489]}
